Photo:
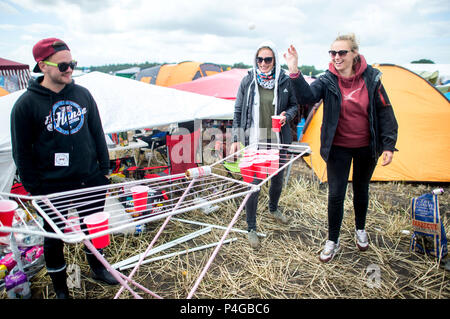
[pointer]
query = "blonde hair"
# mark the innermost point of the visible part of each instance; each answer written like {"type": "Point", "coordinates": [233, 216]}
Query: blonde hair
{"type": "Point", "coordinates": [354, 45]}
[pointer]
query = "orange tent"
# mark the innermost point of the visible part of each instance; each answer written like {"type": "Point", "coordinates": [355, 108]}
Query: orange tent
{"type": "Point", "coordinates": [3, 91]}
{"type": "Point", "coordinates": [423, 116]}
{"type": "Point", "coordinates": [171, 74]}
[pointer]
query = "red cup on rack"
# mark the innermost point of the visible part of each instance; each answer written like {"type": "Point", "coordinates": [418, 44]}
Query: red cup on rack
{"type": "Point", "coordinates": [260, 165]}
{"type": "Point", "coordinates": [96, 223]}
{"type": "Point", "coordinates": [247, 171]}
{"type": "Point", "coordinates": [7, 211]}
{"type": "Point", "coordinates": [273, 163]}
{"type": "Point", "coordinates": [276, 123]}
{"type": "Point", "coordinates": [140, 196]}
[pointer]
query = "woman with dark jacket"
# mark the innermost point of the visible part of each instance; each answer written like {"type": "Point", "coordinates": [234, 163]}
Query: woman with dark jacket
{"type": "Point", "coordinates": [264, 92]}
{"type": "Point", "coordinates": [358, 125]}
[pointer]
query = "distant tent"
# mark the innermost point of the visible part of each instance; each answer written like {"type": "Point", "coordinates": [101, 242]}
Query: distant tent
{"type": "Point", "coordinates": [3, 92]}
{"type": "Point", "coordinates": [422, 113]}
{"type": "Point", "coordinates": [171, 74]}
{"type": "Point", "coordinates": [14, 76]}
{"type": "Point", "coordinates": [128, 73]}
{"type": "Point", "coordinates": [222, 85]}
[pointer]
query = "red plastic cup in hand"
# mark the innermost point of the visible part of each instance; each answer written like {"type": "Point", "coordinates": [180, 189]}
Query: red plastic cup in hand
{"type": "Point", "coordinates": [276, 123]}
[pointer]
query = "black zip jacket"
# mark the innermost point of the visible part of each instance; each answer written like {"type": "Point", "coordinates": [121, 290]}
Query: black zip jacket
{"type": "Point", "coordinates": [244, 102]}
{"type": "Point", "coordinates": [57, 137]}
{"type": "Point", "coordinates": [382, 122]}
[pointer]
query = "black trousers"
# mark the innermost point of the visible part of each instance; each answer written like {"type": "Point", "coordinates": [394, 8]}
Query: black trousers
{"type": "Point", "coordinates": [338, 169]}
{"type": "Point", "coordinates": [276, 187]}
{"type": "Point", "coordinates": [53, 247]}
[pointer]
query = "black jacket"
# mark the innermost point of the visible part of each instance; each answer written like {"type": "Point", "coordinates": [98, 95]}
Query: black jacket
{"type": "Point", "coordinates": [382, 123]}
{"type": "Point", "coordinates": [47, 128]}
{"type": "Point", "coordinates": [244, 103]}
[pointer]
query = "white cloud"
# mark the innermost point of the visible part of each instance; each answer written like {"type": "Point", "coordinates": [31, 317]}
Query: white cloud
{"type": "Point", "coordinates": [106, 32]}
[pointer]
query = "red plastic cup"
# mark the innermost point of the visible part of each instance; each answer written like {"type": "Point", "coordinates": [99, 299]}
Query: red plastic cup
{"type": "Point", "coordinates": [7, 211]}
{"type": "Point", "coordinates": [273, 163]}
{"type": "Point", "coordinates": [96, 223]}
{"type": "Point", "coordinates": [260, 165]}
{"type": "Point", "coordinates": [140, 196]}
{"type": "Point", "coordinates": [249, 153]}
{"type": "Point", "coordinates": [276, 124]}
{"type": "Point", "coordinates": [247, 171]}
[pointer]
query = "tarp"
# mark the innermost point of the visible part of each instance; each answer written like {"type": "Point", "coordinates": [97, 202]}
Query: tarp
{"type": "Point", "coordinates": [223, 85]}
{"type": "Point", "coordinates": [124, 104]}
{"type": "Point", "coordinates": [422, 113]}
{"type": "Point", "coordinates": [14, 76]}
{"type": "Point", "coordinates": [171, 74]}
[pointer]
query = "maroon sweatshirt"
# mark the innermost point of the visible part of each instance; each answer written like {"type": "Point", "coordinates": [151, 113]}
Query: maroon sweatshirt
{"type": "Point", "coordinates": [353, 126]}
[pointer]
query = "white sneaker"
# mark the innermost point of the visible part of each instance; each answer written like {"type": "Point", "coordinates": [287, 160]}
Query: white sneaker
{"type": "Point", "coordinates": [329, 250]}
{"type": "Point", "coordinates": [362, 241]}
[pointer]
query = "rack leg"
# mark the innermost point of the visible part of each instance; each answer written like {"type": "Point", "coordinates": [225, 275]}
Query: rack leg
{"type": "Point", "coordinates": [113, 272]}
{"type": "Point", "coordinates": [216, 250]}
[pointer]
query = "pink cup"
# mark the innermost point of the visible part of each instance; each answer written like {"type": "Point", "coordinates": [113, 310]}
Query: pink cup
{"type": "Point", "coordinates": [96, 223]}
{"type": "Point", "coordinates": [140, 196]}
{"type": "Point", "coordinates": [7, 210]}
{"type": "Point", "coordinates": [276, 124]}
{"type": "Point", "coordinates": [247, 171]}
{"type": "Point", "coordinates": [260, 165]}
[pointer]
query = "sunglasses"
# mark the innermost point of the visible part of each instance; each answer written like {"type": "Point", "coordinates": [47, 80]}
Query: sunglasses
{"type": "Point", "coordinates": [268, 60]}
{"type": "Point", "coordinates": [63, 66]}
{"type": "Point", "coordinates": [340, 52]}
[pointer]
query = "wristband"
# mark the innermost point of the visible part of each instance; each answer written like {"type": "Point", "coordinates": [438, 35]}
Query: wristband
{"type": "Point", "coordinates": [294, 75]}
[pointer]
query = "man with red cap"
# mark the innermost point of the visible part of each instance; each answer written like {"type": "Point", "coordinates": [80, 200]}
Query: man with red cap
{"type": "Point", "coordinates": [59, 145]}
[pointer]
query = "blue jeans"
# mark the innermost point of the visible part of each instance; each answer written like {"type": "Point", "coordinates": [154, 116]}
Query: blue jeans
{"type": "Point", "coordinates": [338, 169]}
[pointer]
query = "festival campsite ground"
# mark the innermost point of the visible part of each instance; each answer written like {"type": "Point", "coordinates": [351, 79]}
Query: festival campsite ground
{"type": "Point", "coordinates": [286, 266]}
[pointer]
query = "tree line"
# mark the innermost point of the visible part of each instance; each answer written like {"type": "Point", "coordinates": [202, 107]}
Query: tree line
{"type": "Point", "coordinates": [306, 69]}
{"type": "Point", "coordinates": [111, 68]}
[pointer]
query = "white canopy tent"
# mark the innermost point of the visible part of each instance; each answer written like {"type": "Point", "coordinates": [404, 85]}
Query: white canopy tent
{"type": "Point", "coordinates": [124, 104]}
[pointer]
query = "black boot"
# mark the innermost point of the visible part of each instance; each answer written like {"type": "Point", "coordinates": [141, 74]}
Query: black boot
{"type": "Point", "coordinates": [59, 280]}
{"type": "Point", "coordinates": [98, 270]}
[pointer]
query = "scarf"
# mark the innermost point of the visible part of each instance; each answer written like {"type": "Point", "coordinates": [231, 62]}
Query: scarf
{"type": "Point", "coordinates": [266, 80]}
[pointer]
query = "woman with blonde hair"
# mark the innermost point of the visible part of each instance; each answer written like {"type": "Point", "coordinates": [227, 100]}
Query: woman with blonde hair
{"type": "Point", "coordinates": [358, 126]}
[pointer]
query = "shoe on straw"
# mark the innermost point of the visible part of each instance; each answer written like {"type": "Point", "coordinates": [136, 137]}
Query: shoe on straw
{"type": "Point", "coordinates": [280, 217]}
{"type": "Point", "coordinates": [329, 251]}
{"type": "Point", "coordinates": [253, 239]}
{"type": "Point", "coordinates": [362, 241]}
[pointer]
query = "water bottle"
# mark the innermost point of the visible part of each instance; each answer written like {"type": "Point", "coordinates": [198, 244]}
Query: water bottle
{"type": "Point", "coordinates": [17, 286]}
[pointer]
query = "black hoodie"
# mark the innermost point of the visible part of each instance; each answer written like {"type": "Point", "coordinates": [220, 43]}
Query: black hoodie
{"type": "Point", "coordinates": [57, 137]}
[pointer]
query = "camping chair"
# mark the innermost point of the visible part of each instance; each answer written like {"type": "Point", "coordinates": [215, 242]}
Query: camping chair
{"type": "Point", "coordinates": [181, 153]}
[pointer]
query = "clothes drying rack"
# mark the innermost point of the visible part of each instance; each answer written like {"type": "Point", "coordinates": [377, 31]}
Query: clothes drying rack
{"type": "Point", "coordinates": [181, 195]}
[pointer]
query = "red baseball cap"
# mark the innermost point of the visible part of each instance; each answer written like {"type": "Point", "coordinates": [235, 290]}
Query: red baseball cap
{"type": "Point", "coordinates": [45, 48]}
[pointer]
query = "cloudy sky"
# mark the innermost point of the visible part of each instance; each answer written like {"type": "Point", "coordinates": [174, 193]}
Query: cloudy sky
{"type": "Point", "coordinates": [226, 31]}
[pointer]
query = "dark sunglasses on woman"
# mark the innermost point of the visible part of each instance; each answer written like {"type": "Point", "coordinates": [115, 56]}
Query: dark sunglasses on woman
{"type": "Point", "coordinates": [341, 53]}
{"type": "Point", "coordinates": [267, 60]}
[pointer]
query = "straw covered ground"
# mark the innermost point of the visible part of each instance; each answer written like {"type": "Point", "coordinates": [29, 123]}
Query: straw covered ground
{"type": "Point", "coordinates": [286, 265]}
